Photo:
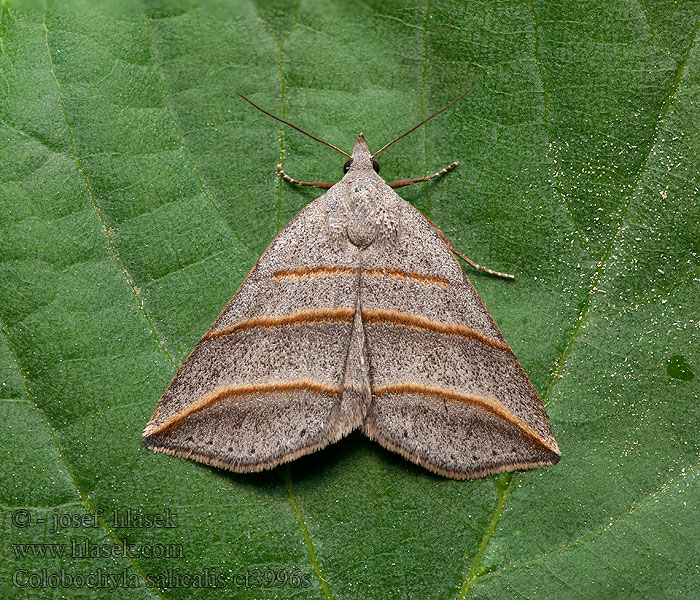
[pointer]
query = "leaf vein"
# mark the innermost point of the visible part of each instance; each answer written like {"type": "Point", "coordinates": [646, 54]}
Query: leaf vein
{"type": "Point", "coordinates": [424, 81]}
{"type": "Point", "coordinates": [472, 576]}
{"type": "Point", "coordinates": [654, 496]}
{"type": "Point", "coordinates": [52, 432]}
{"type": "Point", "coordinates": [645, 14]}
{"type": "Point", "coordinates": [592, 292]}
{"type": "Point", "coordinates": [305, 532]}
{"type": "Point", "coordinates": [95, 205]}
{"type": "Point", "coordinates": [552, 146]}
{"type": "Point", "coordinates": [176, 128]}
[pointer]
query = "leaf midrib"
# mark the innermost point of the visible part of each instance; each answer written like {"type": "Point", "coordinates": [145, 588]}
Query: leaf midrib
{"type": "Point", "coordinates": [651, 498]}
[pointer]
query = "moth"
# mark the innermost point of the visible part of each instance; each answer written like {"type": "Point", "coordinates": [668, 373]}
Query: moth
{"type": "Point", "coordinates": [357, 316]}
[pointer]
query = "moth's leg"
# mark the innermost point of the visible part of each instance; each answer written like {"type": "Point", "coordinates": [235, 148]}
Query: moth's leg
{"type": "Point", "coordinates": [317, 184]}
{"type": "Point", "coordinates": [466, 259]}
{"type": "Point", "coordinates": [472, 264]}
{"type": "Point", "coordinates": [403, 182]}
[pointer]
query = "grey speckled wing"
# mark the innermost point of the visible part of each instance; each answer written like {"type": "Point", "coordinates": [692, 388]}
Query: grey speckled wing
{"type": "Point", "coordinates": [357, 315]}
{"type": "Point", "coordinates": [266, 382]}
{"type": "Point", "coordinates": [448, 392]}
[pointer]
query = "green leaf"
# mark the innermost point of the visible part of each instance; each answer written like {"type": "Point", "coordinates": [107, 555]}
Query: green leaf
{"type": "Point", "coordinates": [136, 192]}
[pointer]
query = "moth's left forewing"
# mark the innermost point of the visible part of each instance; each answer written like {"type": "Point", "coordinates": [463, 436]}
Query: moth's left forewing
{"type": "Point", "coordinates": [448, 392]}
{"type": "Point", "coordinates": [265, 384]}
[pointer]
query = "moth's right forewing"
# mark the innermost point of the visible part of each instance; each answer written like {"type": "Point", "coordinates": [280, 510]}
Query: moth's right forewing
{"type": "Point", "coordinates": [448, 392]}
{"type": "Point", "coordinates": [264, 384]}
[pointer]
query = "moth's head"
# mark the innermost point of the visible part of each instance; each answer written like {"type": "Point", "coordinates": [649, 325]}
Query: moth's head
{"type": "Point", "coordinates": [361, 157]}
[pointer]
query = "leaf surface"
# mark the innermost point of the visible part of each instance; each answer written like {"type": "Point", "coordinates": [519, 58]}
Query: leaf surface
{"type": "Point", "coordinates": [137, 191]}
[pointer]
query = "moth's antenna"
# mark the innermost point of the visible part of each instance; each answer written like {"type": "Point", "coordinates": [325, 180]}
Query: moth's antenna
{"type": "Point", "coordinates": [435, 114]}
{"type": "Point", "coordinates": [313, 137]}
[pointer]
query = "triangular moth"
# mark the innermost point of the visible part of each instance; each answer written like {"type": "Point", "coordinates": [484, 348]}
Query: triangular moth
{"type": "Point", "coordinates": [357, 316]}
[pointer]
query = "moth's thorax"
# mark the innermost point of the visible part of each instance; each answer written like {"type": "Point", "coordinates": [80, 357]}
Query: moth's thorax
{"type": "Point", "coordinates": [363, 202]}
{"type": "Point", "coordinates": [363, 208]}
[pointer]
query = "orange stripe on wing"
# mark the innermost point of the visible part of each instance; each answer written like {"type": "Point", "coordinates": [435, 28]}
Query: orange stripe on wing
{"type": "Point", "coordinates": [492, 405]}
{"type": "Point", "coordinates": [314, 272]}
{"type": "Point", "coordinates": [409, 276]}
{"type": "Point", "coordinates": [227, 392]}
{"type": "Point", "coordinates": [391, 317]}
{"type": "Point", "coordinates": [330, 271]}
{"type": "Point", "coordinates": [317, 315]}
